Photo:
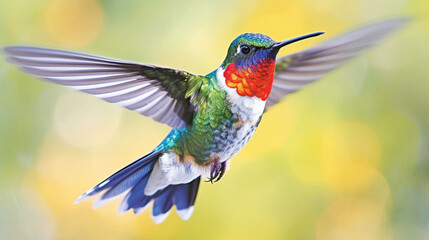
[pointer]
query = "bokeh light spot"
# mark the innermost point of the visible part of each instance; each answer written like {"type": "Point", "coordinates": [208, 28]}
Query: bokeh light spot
{"type": "Point", "coordinates": [34, 215]}
{"type": "Point", "coordinates": [85, 122]}
{"type": "Point", "coordinates": [350, 153]}
{"type": "Point", "coordinates": [354, 219]}
{"type": "Point", "coordinates": [74, 23]}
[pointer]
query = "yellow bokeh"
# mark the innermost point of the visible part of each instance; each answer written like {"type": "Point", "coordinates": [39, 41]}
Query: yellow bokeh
{"type": "Point", "coordinates": [360, 216]}
{"type": "Point", "coordinates": [354, 219]}
{"type": "Point", "coordinates": [74, 23]}
{"type": "Point", "coordinates": [271, 135]}
{"type": "Point", "coordinates": [302, 155]}
{"type": "Point", "coordinates": [350, 155]}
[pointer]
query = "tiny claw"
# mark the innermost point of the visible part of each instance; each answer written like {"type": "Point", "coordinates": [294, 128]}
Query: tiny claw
{"type": "Point", "coordinates": [221, 171]}
{"type": "Point", "coordinates": [217, 171]}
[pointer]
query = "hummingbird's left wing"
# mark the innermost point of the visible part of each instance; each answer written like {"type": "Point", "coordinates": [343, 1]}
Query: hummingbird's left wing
{"type": "Point", "coordinates": [299, 69]}
{"type": "Point", "coordinates": [164, 94]}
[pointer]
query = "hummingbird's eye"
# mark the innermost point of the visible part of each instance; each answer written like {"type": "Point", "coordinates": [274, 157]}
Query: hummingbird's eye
{"type": "Point", "coordinates": [245, 49]}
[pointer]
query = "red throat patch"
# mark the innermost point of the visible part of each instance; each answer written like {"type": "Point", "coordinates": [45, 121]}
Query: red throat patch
{"type": "Point", "coordinates": [252, 81]}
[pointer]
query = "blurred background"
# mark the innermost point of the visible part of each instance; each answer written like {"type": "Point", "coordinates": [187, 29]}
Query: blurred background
{"type": "Point", "coordinates": [345, 158]}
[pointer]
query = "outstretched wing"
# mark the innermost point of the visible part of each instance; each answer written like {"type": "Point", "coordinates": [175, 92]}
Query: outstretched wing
{"type": "Point", "coordinates": [160, 93]}
{"type": "Point", "coordinates": [299, 69]}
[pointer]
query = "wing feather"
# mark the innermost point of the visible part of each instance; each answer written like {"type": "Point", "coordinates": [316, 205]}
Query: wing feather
{"type": "Point", "coordinates": [152, 91]}
{"type": "Point", "coordinates": [299, 69]}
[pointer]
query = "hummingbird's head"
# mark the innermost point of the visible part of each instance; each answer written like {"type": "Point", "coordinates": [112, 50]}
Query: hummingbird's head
{"type": "Point", "coordinates": [250, 62]}
{"type": "Point", "coordinates": [244, 47]}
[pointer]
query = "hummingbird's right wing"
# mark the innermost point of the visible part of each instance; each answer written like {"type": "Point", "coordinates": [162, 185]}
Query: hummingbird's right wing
{"type": "Point", "coordinates": [163, 94]}
{"type": "Point", "coordinates": [299, 69]}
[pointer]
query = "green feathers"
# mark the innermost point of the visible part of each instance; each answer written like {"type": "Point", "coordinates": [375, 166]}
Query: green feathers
{"type": "Point", "coordinates": [180, 85]}
{"type": "Point", "coordinates": [283, 63]}
{"type": "Point", "coordinates": [206, 104]}
{"type": "Point", "coordinates": [196, 142]}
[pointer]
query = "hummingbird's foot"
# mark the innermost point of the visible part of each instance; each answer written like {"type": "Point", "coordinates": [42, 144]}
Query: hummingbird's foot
{"type": "Point", "coordinates": [217, 171]}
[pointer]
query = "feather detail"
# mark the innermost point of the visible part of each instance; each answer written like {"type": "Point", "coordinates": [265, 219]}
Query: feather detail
{"type": "Point", "coordinates": [138, 87]}
{"type": "Point", "coordinates": [299, 69]}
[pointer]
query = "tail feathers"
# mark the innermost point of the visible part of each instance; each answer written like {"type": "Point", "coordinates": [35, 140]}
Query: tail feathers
{"type": "Point", "coordinates": [123, 179]}
{"type": "Point", "coordinates": [134, 178]}
{"type": "Point", "coordinates": [181, 195]}
{"type": "Point", "coordinates": [162, 204]}
{"type": "Point", "coordinates": [184, 198]}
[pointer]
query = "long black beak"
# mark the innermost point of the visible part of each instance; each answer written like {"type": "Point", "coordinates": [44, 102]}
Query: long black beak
{"type": "Point", "coordinates": [278, 45]}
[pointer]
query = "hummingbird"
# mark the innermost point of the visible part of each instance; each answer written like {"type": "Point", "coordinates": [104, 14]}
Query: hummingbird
{"type": "Point", "coordinates": [212, 116]}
